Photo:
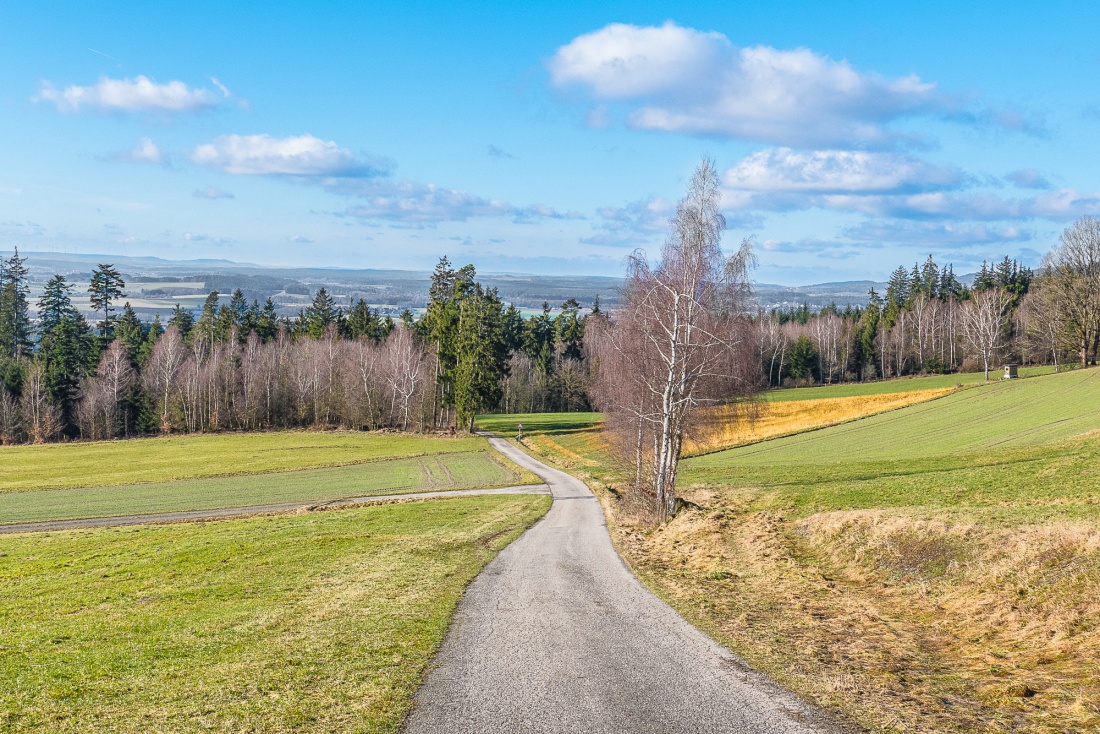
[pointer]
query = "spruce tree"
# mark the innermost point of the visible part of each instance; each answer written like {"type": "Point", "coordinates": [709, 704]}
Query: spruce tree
{"type": "Point", "coordinates": [570, 330]}
{"type": "Point", "coordinates": [130, 331]}
{"type": "Point", "coordinates": [267, 322]}
{"type": "Point", "coordinates": [481, 354]}
{"type": "Point", "coordinates": [105, 288]}
{"type": "Point", "coordinates": [182, 320]}
{"type": "Point", "coordinates": [15, 319]}
{"type": "Point", "coordinates": [362, 321]}
{"type": "Point", "coordinates": [320, 314]}
{"type": "Point", "coordinates": [55, 303]}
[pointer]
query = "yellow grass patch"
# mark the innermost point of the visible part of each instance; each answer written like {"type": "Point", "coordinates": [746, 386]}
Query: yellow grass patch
{"type": "Point", "coordinates": [727, 426]}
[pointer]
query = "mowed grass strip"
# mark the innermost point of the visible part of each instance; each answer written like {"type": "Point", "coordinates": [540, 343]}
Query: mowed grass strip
{"type": "Point", "coordinates": [133, 461]}
{"type": "Point", "coordinates": [724, 427]}
{"type": "Point", "coordinates": [903, 384]}
{"type": "Point", "coordinates": [473, 469]}
{"type": "Point", "coordinates": [316, 622]}
{"type": "Point", "coordinates": [1037, 411]}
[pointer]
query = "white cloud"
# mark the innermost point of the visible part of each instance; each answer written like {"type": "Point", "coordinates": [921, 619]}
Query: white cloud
{"type": "Point", "coordinates": [140, 94]}
{"type": "Point", "coordinates": [208, 239]}
{"type": "Point", "coordinates": [299, 240]}
{"type": "Point", "coordinates": [833, 171]}
{"type": "Point", "coordinates": [263, 155]}
{"type": "Point", "coordinates": [212, 192]}
{"type": "Point", "coordinates": [678, 79]}
{"type": "Point", "coordinates": [936, 234]}
{"type": "Point", "coordinates": [1056, 205]}
{"type": "Point", "coordinates": [145, 152]}
{"type": "Point", "coordinates": [420, 204]}
{"type": "Point", "coordinates": [1028, 178]}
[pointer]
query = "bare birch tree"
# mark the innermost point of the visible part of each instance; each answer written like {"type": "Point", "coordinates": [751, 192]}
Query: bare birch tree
{"type": "Point", "coordinates": [984, 318]}
{"type": "Point", "coordinates": [683, 330]}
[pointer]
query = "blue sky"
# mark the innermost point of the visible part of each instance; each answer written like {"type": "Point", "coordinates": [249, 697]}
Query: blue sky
{"type": "Point", "coordinates": [852, 136]}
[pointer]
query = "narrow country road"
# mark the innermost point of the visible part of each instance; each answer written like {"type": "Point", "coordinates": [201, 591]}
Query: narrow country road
{"type": "Point", "coordinates": [557, 635]}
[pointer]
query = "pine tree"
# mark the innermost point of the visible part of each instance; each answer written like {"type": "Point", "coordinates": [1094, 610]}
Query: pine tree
{"type": "Point", "coordinates": [55, 303]}
{"type": "Point", "coordinates": [482, 355]}
{"type": "Point", "coordinates": [68, 354]}
{"type": "Point", "coordinates": [897, 288]}
{"type": "Point", "coordinates": [182, 320]}
{"type": "Point", "coordinates": [130, 331]}
{"type": "Point", "coordinates": [363, 322]}
{"type": "Point", "coordinates": [105, 288]}
{"type": "Point", "coordinates": [930, 278]}
{"type": "Point", "coordinates": [267, 322]}
{"type": "Point", "coordinates": [205, 329]}
{"type": "Point", "coordinates": [151, 336]}
{"type": "Point", "coordinates": [322, 312]}
{"type": "Point", "coordinates": [570, 330]}
{"type": "Point", "coordinates": [15, 320]}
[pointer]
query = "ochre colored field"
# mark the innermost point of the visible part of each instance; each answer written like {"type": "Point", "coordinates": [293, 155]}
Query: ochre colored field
{"type": "Point", "coordinates": [736, 425]}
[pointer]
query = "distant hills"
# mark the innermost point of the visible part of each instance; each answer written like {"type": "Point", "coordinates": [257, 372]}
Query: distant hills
{"type": "Point", "coordinates": [157, 284]}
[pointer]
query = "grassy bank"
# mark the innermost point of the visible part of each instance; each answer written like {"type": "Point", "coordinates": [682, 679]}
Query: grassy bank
{"type": "Point", "coordinates": [316, 622]}
{"type": "Point", "coordinates": [933, 569]}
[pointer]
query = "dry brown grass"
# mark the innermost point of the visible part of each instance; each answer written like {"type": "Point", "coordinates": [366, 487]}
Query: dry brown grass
{"type": "Point", "coordinates": [727, 426]}
{"type": "Point", "coordinates": [905, 624]}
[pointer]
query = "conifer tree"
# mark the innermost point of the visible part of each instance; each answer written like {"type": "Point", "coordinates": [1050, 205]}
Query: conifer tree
{"type": "Point", "coordinates": [130, 331]}
{"type": "Point", "coordinates": [55, 303]}
{"type": "Point", "coordinates": [267, 322]}
{"type": "Point", "coordinates": [322, 312]}
{"type": "Point", "coordinates": [182, 320]}
{"type": "Point", "coordinates": [15, 320]}
{"type": "Point", "coordinates": [105, 288]}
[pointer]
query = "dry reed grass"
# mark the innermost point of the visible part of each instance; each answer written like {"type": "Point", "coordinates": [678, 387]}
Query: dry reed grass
{"type": "Point", "coordinates": [727, 426]}
{"type": "Point", "coordinates": [907, 624]}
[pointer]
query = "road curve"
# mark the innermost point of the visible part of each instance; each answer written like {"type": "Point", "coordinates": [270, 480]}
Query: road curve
{"type": "Point", "coordinates": [223, 513]}
{"type": "Point", "coordinates": [557, 635]}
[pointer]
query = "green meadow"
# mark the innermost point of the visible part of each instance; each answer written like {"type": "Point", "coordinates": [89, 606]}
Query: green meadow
{"type": "Point", "coordinates": [133, 461]}
{"type": "Point", "coordinates": [297, 623]}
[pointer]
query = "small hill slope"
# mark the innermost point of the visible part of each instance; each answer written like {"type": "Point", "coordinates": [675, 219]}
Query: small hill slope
{"type": "Point", "coordinates": [1030, 412]}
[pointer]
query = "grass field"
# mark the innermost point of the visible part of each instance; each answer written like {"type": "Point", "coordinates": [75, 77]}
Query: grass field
{"type": "Point", "coordinates": [728, 426]}
{"type": "Point", "coordinates": [904, 384]}
{"type": "Point", "coordinates": [133, 461]}
{"type": "Point", "coordinates": [470, 469]}
{"type": "Point", "coordinates": [303, 623]}
{"type": "Point", "coordinates": [1003, 414]}
{"type": "Point", "coordinates": [933, 569]}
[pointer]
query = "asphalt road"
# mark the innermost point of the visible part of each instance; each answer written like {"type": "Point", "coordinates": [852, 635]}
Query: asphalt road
{"type": "Point", "coordinates": [557, 635]}
{"type": "Point", "coordinates": [230, 512]}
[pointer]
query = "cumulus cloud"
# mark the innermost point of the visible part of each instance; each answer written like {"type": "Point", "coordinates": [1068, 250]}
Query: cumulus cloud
{"type": "Point", "coordinates": [212, 192]}
{"type": "Point", "coordinates": [140, 94]}
{"type": "Point", "coordinates": [264, 155]}
{"type": "Point", "coordinates": [677, 79]}
{"type": "Point", "coordinates": [145, 152]}
{"type": "Point", "coordinates": [834, 171]}
{"type": "Point", "coordinates": [886, 185]}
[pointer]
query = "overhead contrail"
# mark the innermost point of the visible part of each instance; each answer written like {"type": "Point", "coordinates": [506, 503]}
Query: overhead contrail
{"type": "Point", "coordinates": [112, 58]}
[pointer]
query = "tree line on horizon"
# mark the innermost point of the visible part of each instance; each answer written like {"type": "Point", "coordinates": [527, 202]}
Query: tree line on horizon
{"type": "Point", "coordinates": [239, 366]}
{"type": "Point", "coordinates": [927, 322]}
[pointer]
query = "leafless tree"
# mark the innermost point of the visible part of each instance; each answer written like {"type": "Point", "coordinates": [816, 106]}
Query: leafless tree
{"type": "Point", "coordinates": [41, 417]}
{"type": "Point", "coordinates": [683, 327]}
{"type": "Point", "coordinates": [161, 372]}
{"type": "Point", "coordinates": [1073, 280]}
{"type": "Point", "coordinates": [984, 317]}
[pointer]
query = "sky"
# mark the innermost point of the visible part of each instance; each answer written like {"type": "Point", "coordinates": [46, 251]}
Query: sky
{"type": "Point", "coordinates": [851, 136]}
